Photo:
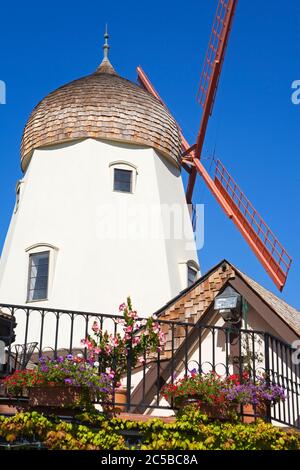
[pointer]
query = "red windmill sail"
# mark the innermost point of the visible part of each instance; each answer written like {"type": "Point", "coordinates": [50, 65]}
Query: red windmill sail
{"type": "Point", "coordinates": [211, 75]}
{"type": "Point", "coordinates": [233, 201]}
{"type": "Point", "coordinates": [256, 232]}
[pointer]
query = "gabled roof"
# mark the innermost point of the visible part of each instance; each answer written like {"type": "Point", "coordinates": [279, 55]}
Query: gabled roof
{"type": "Point", "coordinates": [192, 305]}
{"type": "Point", "coordinates": [286, 312]}
{"type": "Point", "coordinates": [192, 302]}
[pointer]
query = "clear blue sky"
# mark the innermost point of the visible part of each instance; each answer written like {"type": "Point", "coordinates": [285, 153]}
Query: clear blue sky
{"type": "Point", "coordinates": [255, 126]}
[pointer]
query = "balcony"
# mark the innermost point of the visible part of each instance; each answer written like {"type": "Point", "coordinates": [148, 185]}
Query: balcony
{"type": "Point", "coordinates": [188, 347]}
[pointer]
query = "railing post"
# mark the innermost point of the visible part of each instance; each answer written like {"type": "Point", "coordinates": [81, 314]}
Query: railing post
{"type": "Point", "coordinates": [267, 371]}
{"type": "Point", "coordinates": [129, 367]}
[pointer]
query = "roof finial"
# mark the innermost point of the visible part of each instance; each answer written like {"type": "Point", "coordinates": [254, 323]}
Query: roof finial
{"type": "Point", "coordinates": [105, 66]}
{"type": "Point", "coordinates": [106, 45]}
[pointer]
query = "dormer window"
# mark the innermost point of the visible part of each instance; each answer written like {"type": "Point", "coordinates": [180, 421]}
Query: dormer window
{"type": "Point", "coordinates": [123, 180]}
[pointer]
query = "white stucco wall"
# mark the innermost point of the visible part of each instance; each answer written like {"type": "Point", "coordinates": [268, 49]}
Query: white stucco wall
{"type": "Point", "coordinates": [67, 199]}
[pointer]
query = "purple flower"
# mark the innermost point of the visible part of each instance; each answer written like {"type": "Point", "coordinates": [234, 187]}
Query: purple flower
{"type": "Point", "coordinates": [42, 359]}
{"type": "Point", "coordinates": [68, 381]}
{"type": "Point", "coordinates": [70, 357]}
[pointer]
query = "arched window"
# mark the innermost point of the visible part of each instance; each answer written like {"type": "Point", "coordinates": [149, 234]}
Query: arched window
{"type": "Point", "coordinates": [41, 263]}
{"type": "Point", "coordinates": [18, 194]}
{"type": "Point", "coordinates": [192, 274]}
{"type": "Point", "coordinates": [123, 176]}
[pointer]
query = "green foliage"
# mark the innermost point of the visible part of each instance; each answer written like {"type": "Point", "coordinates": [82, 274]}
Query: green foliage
{"type": "Point", "coordinates": [191, 431]}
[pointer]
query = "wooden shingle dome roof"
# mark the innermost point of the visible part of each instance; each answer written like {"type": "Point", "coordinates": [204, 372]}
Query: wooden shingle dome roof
{"type": "Point", "coordinates": [102, 105]}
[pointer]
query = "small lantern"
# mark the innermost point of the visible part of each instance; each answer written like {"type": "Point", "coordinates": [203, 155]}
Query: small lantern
{"type": "Point", "coordinates": [229, 305]}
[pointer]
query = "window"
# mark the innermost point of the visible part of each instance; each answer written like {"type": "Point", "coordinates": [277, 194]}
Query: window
{"type": "Point", "coordinates": [18, 195]}
{"type": "Point", "coordinates": [192, 276]}
{"type": "Point", "coordinates": [38, 276]}
{"type": "Point", "coordinates": [123, 180]}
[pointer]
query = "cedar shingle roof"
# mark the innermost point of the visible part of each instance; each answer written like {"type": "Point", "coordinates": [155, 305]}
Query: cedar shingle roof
{"type": "Point", "coordinates": [102, 105]}
{"type": "Point", "coordinates": [192, 303]}
{"type": "Point", "coordinates": [285, 311]}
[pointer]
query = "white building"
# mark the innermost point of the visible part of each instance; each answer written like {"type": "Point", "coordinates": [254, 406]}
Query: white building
{"type": "Point", "coordinates": [93, 220]}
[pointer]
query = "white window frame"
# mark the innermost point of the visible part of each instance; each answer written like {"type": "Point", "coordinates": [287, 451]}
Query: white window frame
{"type": "Point", "coordinates": [19, 190]}
{"type": "Point", "coordinates": [184, 271]}
{"type": "Point", "coordinates": [37, 249]}
{"type": "Point", "coordinates": [192, 268]}
{"type": "Point", "coordinates": [127, 166]}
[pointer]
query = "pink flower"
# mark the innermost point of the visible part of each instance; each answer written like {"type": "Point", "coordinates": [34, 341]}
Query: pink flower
{"type": "Point", "coordinates": [87, 344]}
{"type": "Point", "coordinates": [111, 374]}
{"type": "Point", "coordinates": [114, 341]}
{"type": "Point", "coordinates": [95, 327]}
{"type": "Point", "coordinates": [129, 329]}
{"type": "Point", "coordinates": [136, 341]}
{"type": "Point", "coordinates": [144, 322]}
{"type": "Point", "coordinates": [162, 338]}
{"type": "Point", "coordinates": [142, 360]}
{"type": "Point", "coordinates": [122, 307]}
{"type": "Point", "coordinates": [97, 350]}
{"type": "Point", "coordinates": [132, 315]}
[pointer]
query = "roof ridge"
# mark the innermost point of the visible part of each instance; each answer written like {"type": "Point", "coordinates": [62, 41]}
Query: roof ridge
{"type": "Point", "coordinates": [278, 299]}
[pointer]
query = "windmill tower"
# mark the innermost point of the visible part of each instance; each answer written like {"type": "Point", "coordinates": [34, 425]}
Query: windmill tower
{"type": "Point", "coordinates": [102, 158]}
{"type": "Point", "coordinates": [93, 217]}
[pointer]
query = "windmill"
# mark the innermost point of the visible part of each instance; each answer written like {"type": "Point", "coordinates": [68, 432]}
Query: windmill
{"type": "Point", "coordinates": [228, 194]}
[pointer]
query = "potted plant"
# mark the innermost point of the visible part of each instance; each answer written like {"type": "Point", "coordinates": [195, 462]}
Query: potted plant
{"type": "Point", "coordinates": [221, 398]}
{"type": "Point", "coordinates": [126, 349]}
{"type": "Point", "coordinates": [205, 391]}
{"type": "Point", "coordinates": [65, 382]}
{"type": "Point", "coordinates": [254, 396]}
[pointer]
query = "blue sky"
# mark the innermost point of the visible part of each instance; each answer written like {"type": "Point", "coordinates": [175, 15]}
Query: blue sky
{"type": "Point", "coordinates": [255, 126]}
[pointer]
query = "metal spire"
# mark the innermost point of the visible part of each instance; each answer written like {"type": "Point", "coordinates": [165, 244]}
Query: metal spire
{"type": "Point", "coordinates": [106, 45]}
{"type": "Point", "coordinates": [105, 66]}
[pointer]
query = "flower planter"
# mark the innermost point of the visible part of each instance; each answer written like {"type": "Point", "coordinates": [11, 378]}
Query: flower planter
{"type": "Point", "coordinates": [214, 412]}
{"type": "Point", "coordinates": [121, 398]}
{"type": "Point", "coordinates": [58, 396]}
{"type": "Point", "coordinates": [253, 413]}
{"type": "Point", "coordinates": [8, 409]}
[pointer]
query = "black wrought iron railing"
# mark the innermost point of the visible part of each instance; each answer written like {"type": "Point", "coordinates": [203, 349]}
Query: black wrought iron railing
{"type": "Point", "coordinates": [188, 347]}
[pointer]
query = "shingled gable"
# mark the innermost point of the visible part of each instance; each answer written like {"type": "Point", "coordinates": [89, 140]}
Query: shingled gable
{"type": "Point", "coordinates": [192, 304]}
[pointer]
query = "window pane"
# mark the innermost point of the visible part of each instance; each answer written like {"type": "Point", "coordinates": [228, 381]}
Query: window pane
{"type": "Point", "coordinates": [192, 274]}
{"type": "Point", "coordinates": [38, 276]}
{"type": "Point", "coordinates": [122, 180]}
